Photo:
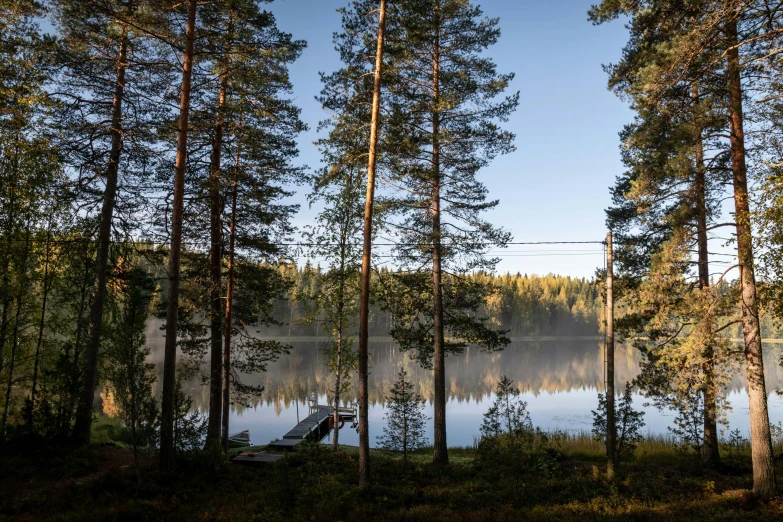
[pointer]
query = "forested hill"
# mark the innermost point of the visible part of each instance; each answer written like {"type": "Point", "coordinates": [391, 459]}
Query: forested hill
{"type": "Point", "coordinates": [527, 305]}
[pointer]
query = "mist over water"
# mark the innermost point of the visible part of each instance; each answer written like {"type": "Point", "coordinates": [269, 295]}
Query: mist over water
{"type": "Point", "coordinates": [559, 378]}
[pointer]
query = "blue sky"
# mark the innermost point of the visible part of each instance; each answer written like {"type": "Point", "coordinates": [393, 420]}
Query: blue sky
{"type": "Point", "coordinates": [555, 186]}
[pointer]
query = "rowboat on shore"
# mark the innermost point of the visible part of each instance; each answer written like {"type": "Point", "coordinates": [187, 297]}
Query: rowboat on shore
{"type": "Point", "coordinates": [240, 439]}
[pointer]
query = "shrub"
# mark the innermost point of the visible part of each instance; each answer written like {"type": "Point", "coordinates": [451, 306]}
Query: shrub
{"type": "Point", "coordinates": [404, 431]}
{"type": "Point", "coordinates": [530, 450]}
{"type": "Point", "coordinates": [509, 439]}
{"type": "Point", "coordinates": [628, 421]}
{"type": "Point", "coordinates": [508, 414]}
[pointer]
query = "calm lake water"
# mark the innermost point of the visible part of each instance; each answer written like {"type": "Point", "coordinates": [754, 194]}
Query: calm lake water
{"type": "Point", "coordinates": [559, 379]}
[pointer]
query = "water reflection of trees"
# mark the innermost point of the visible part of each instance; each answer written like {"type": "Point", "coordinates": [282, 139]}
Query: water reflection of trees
{"type": "Point", "coordinates": [554, 366]}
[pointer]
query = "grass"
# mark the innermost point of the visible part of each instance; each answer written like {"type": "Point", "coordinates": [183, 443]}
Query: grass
{"type": "Point", "coordinates": [658, 483]}
{"type": "Point", "coordinates": [107, 430]}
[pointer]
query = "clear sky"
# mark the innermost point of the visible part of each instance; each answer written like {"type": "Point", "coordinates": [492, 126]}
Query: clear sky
{"type": "Point", "coordinates": [555, 187]}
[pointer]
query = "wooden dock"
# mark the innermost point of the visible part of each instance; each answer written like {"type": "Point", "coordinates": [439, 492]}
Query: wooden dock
{"type": "Point", "coordinates": [313, 428]}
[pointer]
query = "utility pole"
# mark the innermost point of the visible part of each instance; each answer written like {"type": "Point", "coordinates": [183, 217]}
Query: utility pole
{"type": "Point", "coordinates": [611, 428]}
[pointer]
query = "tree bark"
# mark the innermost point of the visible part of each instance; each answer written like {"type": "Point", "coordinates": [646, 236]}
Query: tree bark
{"type": "Point", "coordinates": [41, 323]}
{"type": "Point", "coordinates": [760, 437]}
{"type": "Point", "coordinates": [404, 420]}
{"type": "Point", "coordinates": [229, 305]}
{"type": "Point", "coordinates": [69, 401]}
{"type": "Point", "coordinates": [711, 446]}
{"type": "Point", "coordinates": [5, 288]}
{"type": "Point", "coordinates": [216, 264]}
{"type": "Point", "coordinates": [15, 335]}
{"type": "Point", "coordinates": [364, 300]}
{"type": "Point", "coordinates": [338, 382]}
{"type": "Point", "coordinates": [81, 430]}
{"type": "Point", "coordinates": [175, 253]}
{"type": "Point", "coordinates": [340, 312]}
{"type": "Point", "coordinates": [611, 425]}
{"type": "Point", "coordinates": [440, 450]}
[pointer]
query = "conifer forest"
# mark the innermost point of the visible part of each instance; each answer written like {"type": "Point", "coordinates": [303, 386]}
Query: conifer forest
{"type": "Point", "coordinates": [346, 259]}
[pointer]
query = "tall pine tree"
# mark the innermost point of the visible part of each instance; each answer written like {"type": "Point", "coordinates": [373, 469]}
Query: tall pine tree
{"type": "Point", "coordinates": [693, 43]}
{"type": "Point", "coordinates": [446, 105]}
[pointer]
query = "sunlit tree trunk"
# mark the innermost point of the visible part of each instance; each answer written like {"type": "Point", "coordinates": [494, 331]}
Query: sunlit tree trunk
{"type": "Point", "coordinates": [440, 453]}
{"type": "Point", "coordinates": [175, 252]}
{"type": "Point", "coordinates": [364, 301]}
{"type": "Point", "coordinates": [760, 437]}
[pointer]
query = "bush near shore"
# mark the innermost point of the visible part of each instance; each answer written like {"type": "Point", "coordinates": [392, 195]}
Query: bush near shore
{"type": "Point", "coordinates": [659, 482]}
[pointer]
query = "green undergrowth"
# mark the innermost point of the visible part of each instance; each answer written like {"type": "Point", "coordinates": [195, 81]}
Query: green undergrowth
{"type": "Point", "coordinates": [109, 430]}
{"type": "Point", "coordinates": [317, 483]}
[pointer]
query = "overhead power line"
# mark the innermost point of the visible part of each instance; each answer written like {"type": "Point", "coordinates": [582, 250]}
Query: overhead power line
{"type": "Point", "coordinates": [298, 244]}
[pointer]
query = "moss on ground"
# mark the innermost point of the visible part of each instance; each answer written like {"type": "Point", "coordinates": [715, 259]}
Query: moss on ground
{"type": "Point", "coordinates": [317, 483]}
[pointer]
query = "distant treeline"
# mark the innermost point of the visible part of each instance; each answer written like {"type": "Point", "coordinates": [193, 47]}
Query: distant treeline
{"type": "Point", "coordinates": [526, 305]}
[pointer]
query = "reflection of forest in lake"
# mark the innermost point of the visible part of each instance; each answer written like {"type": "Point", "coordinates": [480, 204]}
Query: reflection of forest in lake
{"type": "Point", "coordinates": [559, 379]}
{"type": "Point", "coordinates": [537, 367]}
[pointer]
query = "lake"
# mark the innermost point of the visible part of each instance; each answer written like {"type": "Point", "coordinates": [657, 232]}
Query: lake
{"type": "Point", "coordinates": [559, 380]}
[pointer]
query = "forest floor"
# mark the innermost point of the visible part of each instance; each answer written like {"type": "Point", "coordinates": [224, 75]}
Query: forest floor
{"type": "Point", "coordinates": [100, 483]}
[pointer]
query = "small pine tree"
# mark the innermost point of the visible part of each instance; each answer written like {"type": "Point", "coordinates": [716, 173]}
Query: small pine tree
{"type": "Point", "coordinates": [689, 424]}
{"type": "Point", "coordinates": [735, 442]}
{"type": "Point", "coordinates": [404, 431]}
{"type": "Point", "coordinates": [629, 422]}
{"type": "Point", "coordinates": [508, 439]}
{"type": "Point", "coordinates": [190, 426]}
{"type": "Point", "coordinates": [130, 377]}
{"type": "Point", "coordinates": [508, 414]}
{"type": "Point", "coordinates": [777, 436]}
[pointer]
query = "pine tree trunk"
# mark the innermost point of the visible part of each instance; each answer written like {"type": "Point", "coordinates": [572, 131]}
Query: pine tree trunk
{"type": "Point", "coordinates": [70, 399]}
{"type": "Point", "coordinates": [175, 253]}
{"type": "Point", "coordinates": [5, 289]}
{"type": "Point", "coordinates": [6, 286]}
{"type": "Point", "coordinates": [440, 451]}
{"type": "Point", "coordinates": [364, 300]}
{"type": "Point", "coordinates": [217, 310]}
{"type": "Point", "coordinates": [508, 414]}
{"type": "Point", "coordinates": [711, 446]}
{"type": "Point", "coordinates": [404, 420]}
{"type": "Point", "coordinates": [338, 382]}
{"type": "Point", "coordinates": [340, 327]}
{"type": "Point", "coordinates": [760, 437]}
{"type": "Point", "coordinates": [229, 305]}
{"type": "Point", "coordinates": [81, 430]}
{"type": "Point", "coordinates": [15, 336]}
{"type": "Point", "coordinates": [41, 323]}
